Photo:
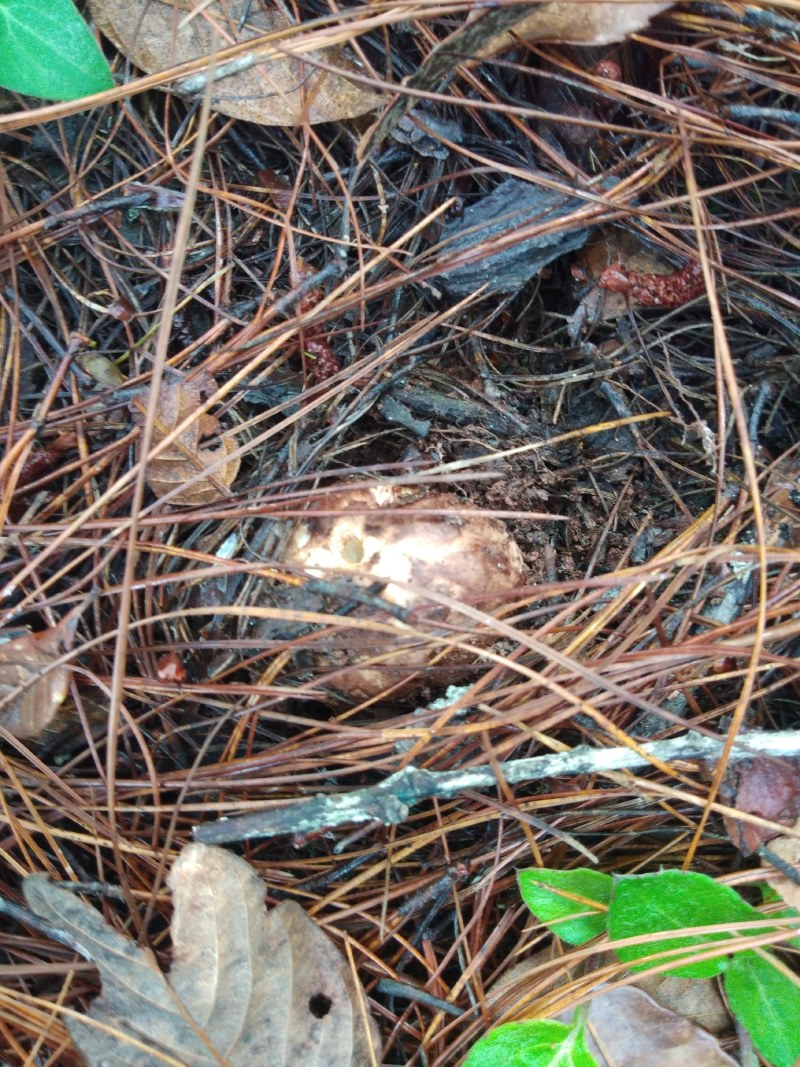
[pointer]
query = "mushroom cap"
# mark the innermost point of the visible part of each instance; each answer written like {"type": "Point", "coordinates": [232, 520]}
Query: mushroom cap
{"type": "Point", "coordinates": [394, 535]}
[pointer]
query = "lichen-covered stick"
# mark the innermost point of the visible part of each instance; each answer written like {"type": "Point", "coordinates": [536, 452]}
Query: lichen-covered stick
{"type": "Point", "coordinates": [390, 801]}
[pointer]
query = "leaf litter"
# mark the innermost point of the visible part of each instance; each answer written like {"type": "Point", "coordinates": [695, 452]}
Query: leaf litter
{"type": "Point", "coordinates": [661, 1019]}
{"type": "Point", "coordinates": [32, 688]}
{"type": "Point", "coordinates": [190, 454]}
{"type": "Point", "coordinates": [585, 23]}
{"type": "Point", "coordinates": [247, 987]}
{"type": "Point", "coordinates": [282, 90]}
{"type": "Point", "coordinates": [515, 354]}
{"type": "Point", "coordinates": [627, 1028]}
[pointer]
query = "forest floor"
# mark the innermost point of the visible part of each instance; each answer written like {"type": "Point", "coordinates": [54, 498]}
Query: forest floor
{"type": "Point", "coordinates": [323, 307]}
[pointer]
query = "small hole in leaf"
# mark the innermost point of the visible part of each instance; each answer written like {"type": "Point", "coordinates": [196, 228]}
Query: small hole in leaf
{"type": "Point", "coordinates": [319, 1005]}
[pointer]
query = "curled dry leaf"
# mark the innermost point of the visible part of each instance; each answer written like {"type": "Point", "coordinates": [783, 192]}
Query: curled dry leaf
{"type": "Point", "coordinates": [626, 1028]}
{"type": "Point", "coordinates": [578, 23]}
{"type": "Point", "coordinates": [248, 988]}
{"type": "Point", "coordinates": [31, 688]}
{"type": "Point", "coordinates": [187, 456]}
{"type": "Point", "coordinates": [769, 788]}
{"type": "Point", "coordinates": [281, 91]}
{"type": "Point", "coordinates": [487, 32]}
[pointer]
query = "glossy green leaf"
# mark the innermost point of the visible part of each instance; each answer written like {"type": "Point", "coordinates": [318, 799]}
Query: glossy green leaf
{"type": "Point", "coordinates": [537, 1043]}
{"type": "Point", "coordinates": [767, 1003]}
{"type": "Point", "coordinates": [672, 900]}
{"type": "Point", "coordinates": [555, 897]}
{"type": "Point", "coordinates": [47, 50]}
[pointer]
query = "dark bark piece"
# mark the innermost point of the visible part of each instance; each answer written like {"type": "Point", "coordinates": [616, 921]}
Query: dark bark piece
{"type": "Point", "coordinates": [456, 410]}
{"type": "Point", "coordinates": [513, 206]}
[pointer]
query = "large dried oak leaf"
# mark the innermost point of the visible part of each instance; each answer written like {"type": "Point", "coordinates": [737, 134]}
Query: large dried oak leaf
{"type": "Point", "coordinates": [248, 988]}
{"type": "Point", "coordinates": [280, 91]}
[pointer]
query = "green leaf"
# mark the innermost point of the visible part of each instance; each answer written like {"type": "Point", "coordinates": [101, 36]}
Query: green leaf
{"type": "Point", "coordinates": [555, 896]}
{"type": "Point", "coordinates": [767, 1004]}
{"type": "Point", "coordinates": [47, 50]}
{"type": "Point", "coordinates": [672, 900]}
{"type": "Point", "coordinates": [538, 1043]}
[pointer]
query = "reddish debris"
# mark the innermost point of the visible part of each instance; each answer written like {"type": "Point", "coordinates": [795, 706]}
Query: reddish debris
{"type": "Point", "coordinates": [607, 68]}
{"type": "Point", "coordinates": [322, 363]}
{"type": "Point", "coordinates": [169, 668]}
{"type": "Point", "coordinates": [42, 460]}
{"type": "Point", "coordinates": [655, 290]}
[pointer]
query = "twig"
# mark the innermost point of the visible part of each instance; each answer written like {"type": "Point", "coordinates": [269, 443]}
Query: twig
{"type": "Point", "coordinates": [389, 801]}
{"type": "Point", "coordinates": [751, 113]}
{"type": "Point", "coordinates": [779, 863]}
{"type": "Point", "coordinates": [439, 65]}
{"type": "Point", "coordinates": [25, 915]}
{"type": "Point", "coordinates": [410, 992]}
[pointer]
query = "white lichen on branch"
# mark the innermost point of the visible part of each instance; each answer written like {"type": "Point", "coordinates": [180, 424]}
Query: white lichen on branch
{"type": "Point", "coordinates": [390, 801]}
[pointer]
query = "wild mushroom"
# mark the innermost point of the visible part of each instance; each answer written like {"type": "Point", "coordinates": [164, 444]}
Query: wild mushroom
{"type": "Point", "coordinates": [414, 547]}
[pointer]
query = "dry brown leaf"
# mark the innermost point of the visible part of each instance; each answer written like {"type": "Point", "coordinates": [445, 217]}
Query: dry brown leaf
{"type": "Point", "coordinates": [25, 662]}
{"type": "Point", "coordinates": [699, 1001]}
{"type": "Point", "coordinates": [248, 988]}
{"type": "Point", "coordinates": [787, 849]}
{"type": "Point", "coordinates": [281, 91]}
{"type": "Point", "coordinates": [186, 457]}
{"type": "Point", "coordinates": [769, 788]}
{"type": "Point", "coordinates": [578, 23]}
{"type": "Point", "coordinates": [781, 492]}
{"type": "Point", "coordinates": [626, 1028]}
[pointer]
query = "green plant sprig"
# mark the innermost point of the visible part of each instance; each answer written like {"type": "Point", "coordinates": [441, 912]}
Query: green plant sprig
{"type": "Point", "coordinates": [583, 904]}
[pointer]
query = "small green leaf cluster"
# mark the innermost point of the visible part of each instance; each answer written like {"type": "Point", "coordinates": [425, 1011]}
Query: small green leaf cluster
{"type": "Point", "coordinates": [644, 909]}
{"type": "Point", "coordinates": [47, 50]}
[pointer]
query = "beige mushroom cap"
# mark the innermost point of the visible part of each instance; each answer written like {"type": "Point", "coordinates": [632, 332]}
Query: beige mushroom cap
{"type": "Point", "coordinates": [392, 534]}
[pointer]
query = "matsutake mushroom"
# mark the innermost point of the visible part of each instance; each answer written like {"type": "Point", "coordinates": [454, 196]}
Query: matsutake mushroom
{"type": "Point", "coordinates": [417, 552]}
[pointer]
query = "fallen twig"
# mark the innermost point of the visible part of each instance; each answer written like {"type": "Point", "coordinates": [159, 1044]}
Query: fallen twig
{"type": "Point", "coordinates": [389, 801]}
